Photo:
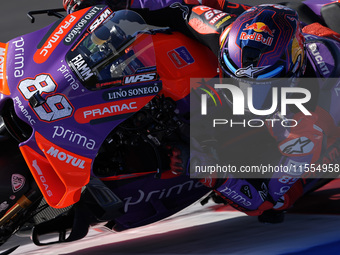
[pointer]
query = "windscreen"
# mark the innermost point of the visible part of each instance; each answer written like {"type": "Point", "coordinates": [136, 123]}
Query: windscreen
{"type": "Point", "coordinates": [119, 47]}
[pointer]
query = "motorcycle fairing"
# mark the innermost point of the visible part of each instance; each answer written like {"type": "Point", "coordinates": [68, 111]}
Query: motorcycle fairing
{"type": "Point", "coordinates": [3, 81]}
{"type": "Point", "coordinates": [48, 97]}
{"type": "Point", "coordinates": [44, 175]}
{"type": "Point", "coordinates": [47, 48]}
{"type": "Point", "coordinates": [176, 81]}
{"type": "Point", "coordinates": [148, 199]}
{"type": "Point", "coordinates": [62, 188]}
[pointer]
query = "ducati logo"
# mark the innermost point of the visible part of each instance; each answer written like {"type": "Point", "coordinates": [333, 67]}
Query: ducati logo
{"type": "Point", "coordinates": [18, 181]}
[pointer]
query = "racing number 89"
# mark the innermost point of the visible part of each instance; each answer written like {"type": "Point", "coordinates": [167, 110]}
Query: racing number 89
{"type": "Point", "coordinates": [56, 106]}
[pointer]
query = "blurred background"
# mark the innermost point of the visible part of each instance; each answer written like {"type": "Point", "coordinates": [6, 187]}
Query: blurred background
{"type": "Point", "coordinates": [14, 21]}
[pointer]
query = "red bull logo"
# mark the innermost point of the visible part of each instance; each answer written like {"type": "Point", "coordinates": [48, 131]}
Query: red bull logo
{"type": "Point", "coordinates": [260, 27]}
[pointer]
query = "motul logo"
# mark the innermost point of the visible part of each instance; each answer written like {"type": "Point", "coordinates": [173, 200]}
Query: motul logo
{"type": "Point", "coordinates": [62, 156]}
{"type": "Point", "coordinates": [140, 78]}
{"type": "Point", "coordinates": [2, 60]}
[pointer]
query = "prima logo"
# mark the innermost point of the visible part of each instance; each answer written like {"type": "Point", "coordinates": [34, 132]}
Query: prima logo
{"type": "Point", "coordinates": [73, 137]}
{"type": "Point", "coordinates": [19, 57]}
{"type": "Point", "coordinates": [146, 197]}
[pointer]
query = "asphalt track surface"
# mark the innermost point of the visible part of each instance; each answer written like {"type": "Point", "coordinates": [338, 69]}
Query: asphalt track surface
{"type": "Point", "coordinates": [197, 230]}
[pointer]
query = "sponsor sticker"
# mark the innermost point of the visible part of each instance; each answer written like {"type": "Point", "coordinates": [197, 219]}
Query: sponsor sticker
{"type": "Point", "coordinates": [297, 146]}
{"type": "Point", "coordinates": [106, 13]}
{"type": "Point", "coordinates": [3, 82]}
{"type": "Point", "coordinates": [81, 25]}
{"type": "Point", "coordinates": [260, 29]}
{"type": "Point", "coordinates": [111, 109]}
{"type": "Point", "coordinates": [18, 182]}
{"type": "Point", "coordinates": [2, 60]}
{"type": "Point", "coordinates": [129, 92]}
{"type": "Point", "coordinates": [140, 78]}
{"type": "Point", "coordinates": [181, 57]}
{"type": "Point", "coordinates": [44, 52]}
{"type": "Point", "coordinates": [79, 65]}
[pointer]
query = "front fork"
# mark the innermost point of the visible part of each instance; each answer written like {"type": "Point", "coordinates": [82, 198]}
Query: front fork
{"type": "Point", "coordinates": [23, 203]}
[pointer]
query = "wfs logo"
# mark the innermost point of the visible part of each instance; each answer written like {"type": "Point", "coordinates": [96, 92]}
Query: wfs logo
{"type": "Point", "coordinates": [242, 103]}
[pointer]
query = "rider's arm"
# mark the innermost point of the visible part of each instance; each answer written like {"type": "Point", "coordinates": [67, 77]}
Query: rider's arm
{"type": "Point", "coordinates": [291, 171]}
{"type": "Point", "coordinates": [74, 5]}
{"type": "Point", "coordinates": [225, 6]}
{"type": "Point", "coordinates": [203, 23]}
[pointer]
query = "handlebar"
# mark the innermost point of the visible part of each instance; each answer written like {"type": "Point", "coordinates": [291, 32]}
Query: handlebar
{"type": "Point", "coordinates": [49, 12]}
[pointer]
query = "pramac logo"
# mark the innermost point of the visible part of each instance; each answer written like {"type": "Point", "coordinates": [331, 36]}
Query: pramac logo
{"type": "Point", "coordinates": [44, 52]}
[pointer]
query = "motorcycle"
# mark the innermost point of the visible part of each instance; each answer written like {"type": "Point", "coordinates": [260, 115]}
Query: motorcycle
{"type": "Point", "coordinates": [94, 138]}
{"type": "Point", "coordinates": [90, 108]}
{"type": "Point", "coordinates": [321, 11]}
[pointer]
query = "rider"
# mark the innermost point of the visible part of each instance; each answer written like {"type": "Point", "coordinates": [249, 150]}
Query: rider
{"type": "Point", "coordinates": [251, 44]}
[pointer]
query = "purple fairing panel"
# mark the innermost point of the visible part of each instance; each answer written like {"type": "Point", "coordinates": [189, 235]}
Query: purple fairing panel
{"type": "Point", "coordinates": [36, 63]}
{"type": "Point", "coordinates": [316, 5]}
{"type": "Point", "coordinates": [152, 4]}
{"type": "Point", "coordinates": [320, 55]}
{"type": "Point", "coordinates": [324, 56]}
{"type": "Point", "coordinates": [148, 199]}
